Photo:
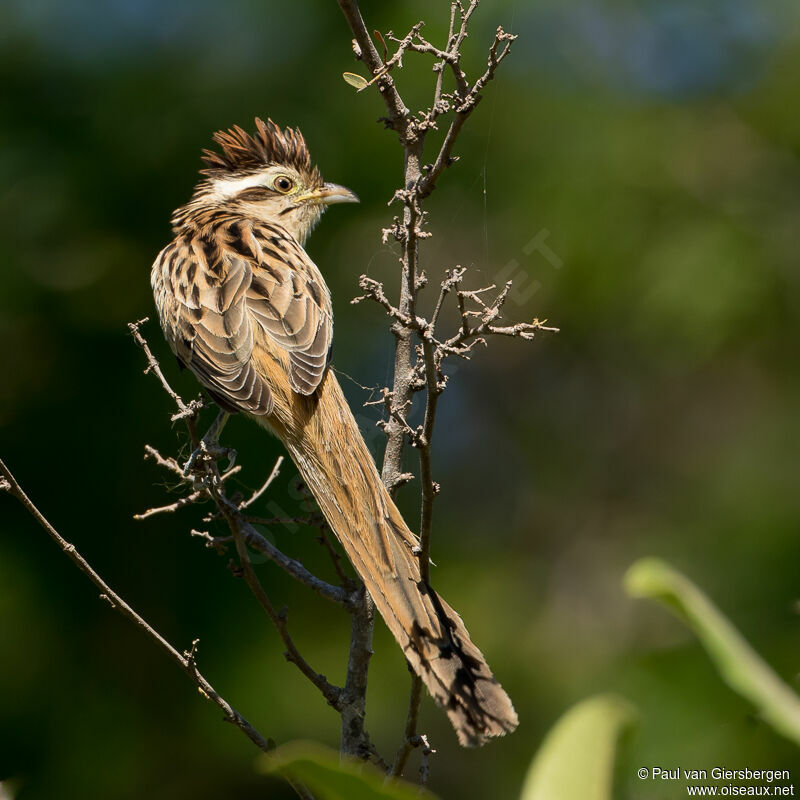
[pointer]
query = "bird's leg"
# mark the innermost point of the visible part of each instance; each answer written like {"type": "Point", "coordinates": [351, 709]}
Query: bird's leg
{"type": "Point", "coordinates": [209, 448]}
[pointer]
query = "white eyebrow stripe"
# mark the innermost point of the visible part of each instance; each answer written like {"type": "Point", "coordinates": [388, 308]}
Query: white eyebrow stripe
{"type": "Point", "coordinates": [225, 188]}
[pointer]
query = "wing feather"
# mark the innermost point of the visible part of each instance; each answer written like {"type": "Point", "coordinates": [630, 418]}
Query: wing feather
{"type": "Point", "coordinates": [290, 301]}
{"type": "Point", "coordinates": [212, 300]}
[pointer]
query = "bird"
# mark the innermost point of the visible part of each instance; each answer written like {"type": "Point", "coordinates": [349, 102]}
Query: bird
{"type": "Point", "coordinates": [244, 307]}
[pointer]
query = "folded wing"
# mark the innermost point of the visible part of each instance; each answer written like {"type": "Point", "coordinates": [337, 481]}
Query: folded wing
{"type": "Point", "coordinates": [212, 301]}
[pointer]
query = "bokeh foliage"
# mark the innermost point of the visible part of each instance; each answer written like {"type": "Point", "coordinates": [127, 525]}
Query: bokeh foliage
{"type": "Point", "coordinates": [655, 143]}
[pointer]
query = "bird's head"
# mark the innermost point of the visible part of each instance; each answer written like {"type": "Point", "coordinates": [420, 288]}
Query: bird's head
{"type": "Point", "coordinates": [267, 176]}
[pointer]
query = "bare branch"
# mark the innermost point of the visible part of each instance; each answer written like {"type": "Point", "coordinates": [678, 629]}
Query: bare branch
{"type": "Point", "coordinates": [466, 100]}
{"type": "Point", "coordinates": [424, 767]}
{"type": "Point", "coordinates": [374, 290]}
{"type": "Point", "coordinates": [354, 738]}
{"type": "Point", "coordinates": [452, 279]}
{"type": "Point", "coordinates": [368, 53]}
{"type": "Point", "coordinates": [178, 504]}
{"type": "Point", "coordinates": [186, 411]}
{"type": "Point", "coordinates": [419, 351]}
{"type": "Point", "coordinates": [468, 335]}
{"type": "Point", "coordinates": [412, 719]}
{"type": "Point", "coordinates": [167, 463]}
{"type": "Point", "coordinates": [397, 58]}
{"type": "Point", "coordinates": [267, 483]}
{"type": "Point", "coordinates": [295, 568]}
{"type": "Point", "coordinates": [207, 482]}
{"type": "Point", "coordinates": [438, 106]}
{"type": "Point", "coordinates": [429, 488]}
{"type": "Point", "coordinates": [217, 542]}
{"type": "Point", "coordinates": [336, 559]}
{"type": "Point", "coordinates": [331, 693]}
{"type": "Point", "coordinates": [185, 660]}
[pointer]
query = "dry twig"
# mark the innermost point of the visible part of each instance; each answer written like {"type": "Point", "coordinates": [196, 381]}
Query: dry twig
{"type": "Point", "coordinates": [186, 660]}
{"type": "Point", "coordinates": [420, 352]}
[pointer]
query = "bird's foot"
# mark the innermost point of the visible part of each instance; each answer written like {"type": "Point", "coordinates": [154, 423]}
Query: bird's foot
{"type": "Point", "coordinates": [207, 453]}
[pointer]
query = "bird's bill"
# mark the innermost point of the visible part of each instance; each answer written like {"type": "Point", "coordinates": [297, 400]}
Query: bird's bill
{"type": "Point", "coordinates": [330, 193]}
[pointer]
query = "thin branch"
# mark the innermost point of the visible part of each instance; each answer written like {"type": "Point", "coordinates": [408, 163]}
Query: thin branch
{"type": "Point", "coordinates": [172, 465]}
{"type": "Point", "coordinates": [451, 280]}
{"type": "Point", "coordinates": [437, 92]}
{"type": "Point", "coordinates": [167, 463]}
{"type": "Point", "coordinates": [424, 767]}
{"type": "Point", "coordinates": [368, 53]}
{"type": "Point", "coordinates": [462, 341]}
{"type": "Point", "coordinates": [336, 559]}
{"type": "Point", "coordinates": [178, 504]}
{"type": "Point", "coordinates": [353, 736]}
{"type": "Point", "coordinates": [412, 719]}
{"type": "Point", "coordinates": [185, 660]}
{"type": "Point", "coordinates": [397, 58]}
{"type": "Point", "coordinates": [217, 542]}
{"type": "Point", "coordinates": [267, 483]}
{"type": "Point", "coordinates": [270, 521]}
{"type": "Point", "coordinates": [406, 233]}
{"type": "Point", "coordinates": [419, 366]}
{"type": "Point", "coordinates": [293, 567]}
{"type": "Point", "coordinates": [429, 487]}
{"type": "Point", "coordinates": [187, 411]}
{"type": "Point", "coordinates": [374, 290]}
{"type": "Point", "coordinates": [467, 101]}
{"type": "Point", "coordinates": [332, 694]}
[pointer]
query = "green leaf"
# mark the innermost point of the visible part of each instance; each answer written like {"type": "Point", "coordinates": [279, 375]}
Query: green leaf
{"type": "Point", "coordinates": [576, 760]}
{"type": "Point", "coordinates": [330, 778]}
{"type": "Point", "coordinates": [741, 667]}
{"type": "Point", "coordinates": [355, 80]}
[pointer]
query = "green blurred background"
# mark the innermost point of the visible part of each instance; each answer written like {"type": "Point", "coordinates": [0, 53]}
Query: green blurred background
{"type": "Point", "coordinates": [653, 146]}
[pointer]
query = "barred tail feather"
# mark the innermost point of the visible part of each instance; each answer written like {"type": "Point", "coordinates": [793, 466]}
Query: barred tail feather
{"type": "Point", "coordinates": [324, 441]}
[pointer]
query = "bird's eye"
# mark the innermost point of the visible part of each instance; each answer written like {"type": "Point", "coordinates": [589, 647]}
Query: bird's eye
{"type": "Point", "coordinates": [283, 184]}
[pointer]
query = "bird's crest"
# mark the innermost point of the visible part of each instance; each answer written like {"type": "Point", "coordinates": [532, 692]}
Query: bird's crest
{"type": "Point", "coordinates": [269, 145]}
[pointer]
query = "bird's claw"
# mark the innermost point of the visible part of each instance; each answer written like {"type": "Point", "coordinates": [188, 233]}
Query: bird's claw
{"type": "Point", "coordinates": [208, 451]}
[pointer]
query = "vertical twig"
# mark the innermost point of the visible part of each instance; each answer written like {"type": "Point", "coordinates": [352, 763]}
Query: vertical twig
{"type": "Point", "coordinates": [415, 372]}
{"type": "Point", "coordinates": [364, 613]}
{"type": "Point", "coordinates": [402, 387]}
{"type": "Point", "coordinates": [353, 736]}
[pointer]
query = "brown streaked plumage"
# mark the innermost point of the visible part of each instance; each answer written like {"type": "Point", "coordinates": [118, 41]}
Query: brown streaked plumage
{"type": "Point", "coordinates": [244, 307]}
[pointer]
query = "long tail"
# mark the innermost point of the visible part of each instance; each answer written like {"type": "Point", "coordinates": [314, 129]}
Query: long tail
{"type": "Point", "coordinates": [324, 441]}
